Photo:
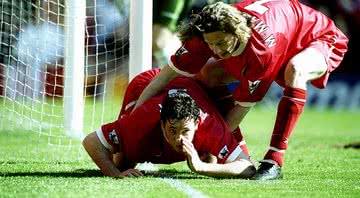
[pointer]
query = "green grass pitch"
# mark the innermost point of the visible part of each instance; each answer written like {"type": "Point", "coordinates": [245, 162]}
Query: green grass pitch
{"type": "Point", "coordinates": [316, 165]}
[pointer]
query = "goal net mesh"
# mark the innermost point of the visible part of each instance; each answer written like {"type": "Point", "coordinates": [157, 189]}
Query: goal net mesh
{"type": "Point", "coordinates": [32, 72]}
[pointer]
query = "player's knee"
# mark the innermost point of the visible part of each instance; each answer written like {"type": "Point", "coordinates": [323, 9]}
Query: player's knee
{"type": "Point", "coordinates": [294, 74]}
{"type": "Point", "coordinates": [321, 69]}
{"type": "Point", "coordinates": [308, 65]}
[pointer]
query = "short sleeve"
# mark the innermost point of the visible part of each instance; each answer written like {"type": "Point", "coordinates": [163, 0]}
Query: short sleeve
{"type": "Point", "coordinates": [190, 57]}
{"type": "Point", "coordinates": [109, 136]}
{"type": "Point", "coordinates": [215, 138]}
{"type": "Point", "coordinates": [228, 149]}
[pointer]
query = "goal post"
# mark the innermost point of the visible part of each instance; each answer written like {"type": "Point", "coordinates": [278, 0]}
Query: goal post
{"type": "Point", "coordinates": [75, 14]}
{"type": "Point", "coordinates": [140, 37]}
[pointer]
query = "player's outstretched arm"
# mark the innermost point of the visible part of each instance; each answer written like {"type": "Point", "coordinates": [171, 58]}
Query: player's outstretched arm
{"type": "Point", "coordinates": [156, 85]}
{"type": "Point", "coordinates": [103, 158]}
{"type": "Point", "coordinates": [241, 167]}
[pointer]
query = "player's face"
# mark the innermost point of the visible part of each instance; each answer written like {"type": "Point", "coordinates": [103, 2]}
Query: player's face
{"type": "Point", "coordinates": [221, 43]}
{"type": "Point", "coordinates": [176, 130]}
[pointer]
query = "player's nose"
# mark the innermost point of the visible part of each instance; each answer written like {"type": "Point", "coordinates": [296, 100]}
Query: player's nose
{"type": "Point", "coordinates": [179, 139]}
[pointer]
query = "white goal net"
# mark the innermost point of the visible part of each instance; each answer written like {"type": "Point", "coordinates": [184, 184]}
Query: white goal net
{"type": "Point", "coordinates": [32, 70]}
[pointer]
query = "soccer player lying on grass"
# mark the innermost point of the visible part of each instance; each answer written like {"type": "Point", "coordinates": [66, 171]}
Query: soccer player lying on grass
{"type": "Point", "coordinates": [181, 123]}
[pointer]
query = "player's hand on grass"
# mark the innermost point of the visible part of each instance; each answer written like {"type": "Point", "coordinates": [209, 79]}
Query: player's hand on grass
{"type": "Point", "coordinates": [132, 173]}
{"type": "Point", "coordinates": [193, 158]}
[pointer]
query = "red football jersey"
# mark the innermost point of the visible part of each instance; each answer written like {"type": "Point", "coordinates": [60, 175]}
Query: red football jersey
{"type": "Point", "coordinates": [140, 133]}
{"type": "Point", "coordinates": [280, 30]}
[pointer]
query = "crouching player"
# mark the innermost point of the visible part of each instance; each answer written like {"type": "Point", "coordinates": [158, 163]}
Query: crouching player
{"type": "Point", "coordinates": [181, 123]}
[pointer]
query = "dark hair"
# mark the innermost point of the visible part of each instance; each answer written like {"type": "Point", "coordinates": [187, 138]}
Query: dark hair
{"type": "Point", "coordinates": [216, 17]}
{"type": "Point", "coordinates": [179, 105]}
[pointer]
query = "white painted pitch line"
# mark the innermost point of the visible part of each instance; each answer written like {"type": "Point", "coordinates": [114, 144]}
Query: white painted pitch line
{"type": "Point", "coordinates": [180, 186]}
{"type": "Point", "coordinates": [184, 188]}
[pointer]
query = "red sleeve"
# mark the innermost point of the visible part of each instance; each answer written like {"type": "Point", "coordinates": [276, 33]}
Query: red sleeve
{"type": "Point", "coordinates": [213, 136]}
{"type": "Point", "coordinates": [109, 136]}
{"type": "Point", "coordinates": [131, 128]}
{"type": "Point", "coordinates": [190, 57]}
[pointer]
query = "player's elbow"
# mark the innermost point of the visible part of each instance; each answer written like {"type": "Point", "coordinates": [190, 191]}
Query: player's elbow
{"type": "Point", "coordinates": [248, 169]}
{"type": "Point", "coordinates": [248, 172]}
{"type": "Point", "coordinates": [88, 141]}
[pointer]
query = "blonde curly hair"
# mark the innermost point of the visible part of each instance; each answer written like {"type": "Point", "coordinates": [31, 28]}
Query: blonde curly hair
{"type": "Point", "coordinates": [217, 17]}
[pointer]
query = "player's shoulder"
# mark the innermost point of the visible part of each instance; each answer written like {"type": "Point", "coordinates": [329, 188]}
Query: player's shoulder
{"type": "Point", "coordinates": [212, 134]}
{"type": "Point", "coordinates": [211, 124]}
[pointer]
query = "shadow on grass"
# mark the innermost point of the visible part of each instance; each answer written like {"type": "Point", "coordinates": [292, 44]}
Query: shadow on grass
{"type": "Point", "coordinates": [79, 173]}
{"type": "Point", "coordinates": [355, 145]}
{"type": "Point", "coordinates": [83, 173]}
{"type": "Point", "coordinates": [175, 174]}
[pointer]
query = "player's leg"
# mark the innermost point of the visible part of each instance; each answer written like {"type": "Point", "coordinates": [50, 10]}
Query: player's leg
{"type": "Point", "coordinates": [307, 65]}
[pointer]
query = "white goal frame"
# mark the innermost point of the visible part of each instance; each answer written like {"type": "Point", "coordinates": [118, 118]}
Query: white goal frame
{"type": "Point", "coordinates": [74, 71]}
{"type": "Point", "coordinates": [140, 37]}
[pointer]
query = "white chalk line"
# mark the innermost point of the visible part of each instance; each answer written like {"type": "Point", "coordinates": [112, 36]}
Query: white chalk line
{"type": "Point", "coordinates": [180, 186]}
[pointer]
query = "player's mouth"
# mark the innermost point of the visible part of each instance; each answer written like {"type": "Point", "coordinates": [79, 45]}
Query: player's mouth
{"type": "Point", "coordinates": [179, 148]}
